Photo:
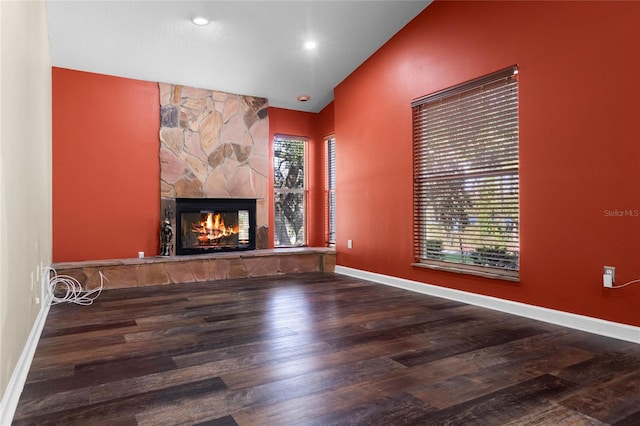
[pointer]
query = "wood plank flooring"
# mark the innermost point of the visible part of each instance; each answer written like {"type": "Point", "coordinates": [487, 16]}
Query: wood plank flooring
{"type": "Point", "coordinates": [318, 349]}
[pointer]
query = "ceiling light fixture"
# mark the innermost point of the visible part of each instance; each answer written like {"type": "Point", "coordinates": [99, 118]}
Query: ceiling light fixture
{"type": "Point", "coordinates": [304, 98]}
{"type": "Point", "coordinates": [200, 20]}
{"type": "Point", "coordinates": [310, 45]}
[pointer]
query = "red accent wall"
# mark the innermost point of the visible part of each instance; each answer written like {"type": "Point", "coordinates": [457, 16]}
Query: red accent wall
{"type": "Point", "coordinates": [325, 121]}
{"type": "Point", "coordinates": [325, 125]}
{"type": "Point", "coordinates": [579, 146]}
{"type": "Point", "coordinates": [106, 172]}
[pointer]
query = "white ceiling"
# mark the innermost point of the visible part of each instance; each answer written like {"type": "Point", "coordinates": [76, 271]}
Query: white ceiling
{"type": "Point", "coordinates": [249, 47]}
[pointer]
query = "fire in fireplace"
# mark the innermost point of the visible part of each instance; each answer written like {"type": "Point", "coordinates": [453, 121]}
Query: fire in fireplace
{"type": "Point", "coordinates": [205, 225]}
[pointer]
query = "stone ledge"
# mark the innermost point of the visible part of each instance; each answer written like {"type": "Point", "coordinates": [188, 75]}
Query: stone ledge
{"type": "Point", "coordinates": [158, 270]}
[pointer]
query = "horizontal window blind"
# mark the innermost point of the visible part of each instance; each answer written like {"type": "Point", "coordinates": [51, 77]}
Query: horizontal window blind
{"type": "Point", "coordinates": [466, 177]}
{"type": "Point", "coordinates": [331, 191]}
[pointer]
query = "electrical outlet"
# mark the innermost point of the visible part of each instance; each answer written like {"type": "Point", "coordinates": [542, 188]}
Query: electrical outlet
{"type": "Point", "coordinates": [349, 244]}
{"type": "Point", "coordinates": [610, 270]}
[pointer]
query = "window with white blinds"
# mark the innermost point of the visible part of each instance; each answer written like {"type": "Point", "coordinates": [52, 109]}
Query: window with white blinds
{"type": "Point", "coordinates": [289, 198]}
{"type": "Point", "coordinates": [466, 177]}
{"type": "Point", "coordinates": [331, 191]}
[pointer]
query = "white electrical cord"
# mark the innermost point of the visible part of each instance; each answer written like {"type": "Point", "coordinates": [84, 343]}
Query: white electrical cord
{"type": "Point", "coordinates": [626, 284]}
{"type": "Point", "coordinates": [72, 291]}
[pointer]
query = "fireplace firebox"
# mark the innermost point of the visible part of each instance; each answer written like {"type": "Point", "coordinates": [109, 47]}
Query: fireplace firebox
{"type": "Point", "coordinates": [205, 225]}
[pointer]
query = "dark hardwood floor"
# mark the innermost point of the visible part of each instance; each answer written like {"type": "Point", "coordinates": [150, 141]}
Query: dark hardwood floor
{"type": "Point", "coordinates": [318, 349]}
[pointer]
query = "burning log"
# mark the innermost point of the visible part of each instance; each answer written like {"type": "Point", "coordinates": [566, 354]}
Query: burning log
{"type": "Point", "coordinates": [213, 228]}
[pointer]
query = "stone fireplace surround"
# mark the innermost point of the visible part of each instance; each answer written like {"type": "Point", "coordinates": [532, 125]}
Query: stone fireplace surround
{"type": "Point", "coordinates": [214, 145]}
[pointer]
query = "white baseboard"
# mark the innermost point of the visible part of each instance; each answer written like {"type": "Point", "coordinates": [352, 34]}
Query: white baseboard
{"type": "Point", "coordinates": [16, 383]}
{"type": "Point", "coordinates": [579, 322]}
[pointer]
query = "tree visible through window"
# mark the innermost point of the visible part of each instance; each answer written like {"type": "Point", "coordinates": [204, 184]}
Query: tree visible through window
{"type": "Point", "coordinates": [466, 177]}
{"type": "Point", "coordinates": [289, 191]}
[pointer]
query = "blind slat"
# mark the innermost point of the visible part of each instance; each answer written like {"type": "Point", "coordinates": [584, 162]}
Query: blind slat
{"type": "Point", "coordinates": [508, 72]}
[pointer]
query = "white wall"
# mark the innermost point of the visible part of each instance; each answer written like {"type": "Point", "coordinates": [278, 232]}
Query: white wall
{"type": "Point", "coordinates": [25, 174]}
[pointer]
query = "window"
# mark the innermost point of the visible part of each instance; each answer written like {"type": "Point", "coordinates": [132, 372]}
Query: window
{"type": "Point", "coordinates": [331, 190]}
{"type": "Point", "coordinates": [289, 156]}
{"type": "Point", "coordinates": [466, 178]}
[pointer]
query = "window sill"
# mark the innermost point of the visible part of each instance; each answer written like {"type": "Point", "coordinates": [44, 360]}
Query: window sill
{"type": "Point", "coordinates": [479, 271]}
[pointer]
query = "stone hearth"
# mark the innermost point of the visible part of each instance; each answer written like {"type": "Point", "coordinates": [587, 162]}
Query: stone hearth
{"type": "Point", "coordinates": [126, 273]}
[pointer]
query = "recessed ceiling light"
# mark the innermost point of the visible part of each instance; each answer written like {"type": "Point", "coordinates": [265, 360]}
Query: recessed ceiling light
{"type": "Point", "coordinates": [304, 98]}
{"type": "Point", "coordinates": [310, 45]}
{"type": "Point", "coordinates": [200, 20]}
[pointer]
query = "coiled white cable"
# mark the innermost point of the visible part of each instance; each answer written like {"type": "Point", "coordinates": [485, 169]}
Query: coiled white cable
{"type": "Point", "coordinates": [70, 290]}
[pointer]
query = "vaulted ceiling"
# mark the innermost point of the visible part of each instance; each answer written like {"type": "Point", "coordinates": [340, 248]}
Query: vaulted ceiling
{"type": "Point", "coordinates": [249, 47]}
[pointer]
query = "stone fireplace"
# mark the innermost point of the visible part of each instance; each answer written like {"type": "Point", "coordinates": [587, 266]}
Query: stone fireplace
{"type": "Point", "coordinates": [214, 145]}
{"type": "Point", "coordinates": [214, 162]}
